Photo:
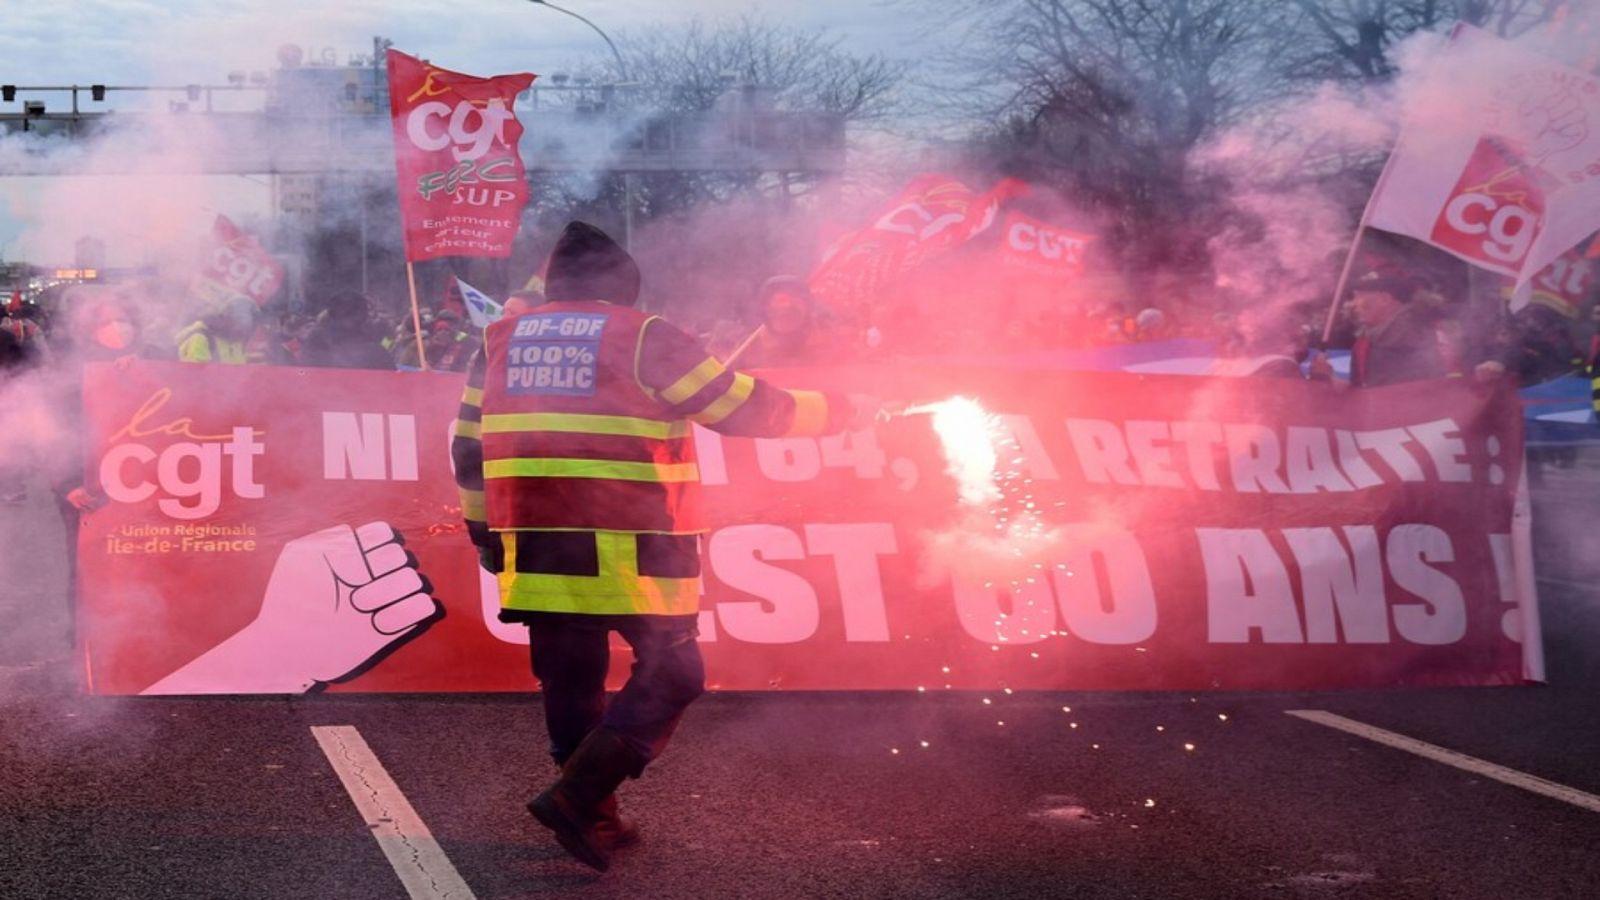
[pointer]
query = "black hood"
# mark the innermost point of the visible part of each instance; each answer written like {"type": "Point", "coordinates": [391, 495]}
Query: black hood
{"type": "Point", "coordinates": [587, 264]}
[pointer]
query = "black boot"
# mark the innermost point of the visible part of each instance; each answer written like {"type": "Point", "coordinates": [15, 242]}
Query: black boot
{"type": "Point", "coordinates": [572, 807]}
{"type": "Point", "coordinates": [619, 832]}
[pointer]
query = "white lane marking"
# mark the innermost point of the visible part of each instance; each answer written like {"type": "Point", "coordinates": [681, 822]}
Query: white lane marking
{"type": "Point", "coordinates": [1451, 758]}
{"type": "Point", "coordinates": [416, 857]}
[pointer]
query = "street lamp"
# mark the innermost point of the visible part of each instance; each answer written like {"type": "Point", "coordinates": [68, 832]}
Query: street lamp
{"type": "Point", "coordinates": [622, 67]}
{"type": "Point", "coordinates": [622, 71]}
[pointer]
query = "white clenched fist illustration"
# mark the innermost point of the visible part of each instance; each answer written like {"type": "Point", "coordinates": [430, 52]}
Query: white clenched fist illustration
{"type": "Point", "coordinates": [339, 597]}
{"type": "Point", "coordinates": [337, 600]}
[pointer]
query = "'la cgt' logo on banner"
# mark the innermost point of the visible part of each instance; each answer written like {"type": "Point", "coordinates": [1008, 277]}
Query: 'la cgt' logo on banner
{"type": "Point", "coordinates": [188, 475]}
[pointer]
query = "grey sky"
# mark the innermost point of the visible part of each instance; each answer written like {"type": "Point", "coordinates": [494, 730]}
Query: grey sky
{"type": "Point", "coordinates": [176, 42]}
{"type": "Point", "coordinates": [135, 41]}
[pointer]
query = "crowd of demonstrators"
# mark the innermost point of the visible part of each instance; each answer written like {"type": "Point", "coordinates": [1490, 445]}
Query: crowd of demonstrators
{"type": "Point", "coordinates": [344, 329]}
{"type": "Point", "coordinates": [448, 336]}
{"type": "Point", "coordinates": [1268, 344]}
{"type": "Point", "coordinates": [448, 339]}
{"type": "Point", "coordinates": [20, 351]}
{"type": "Point", "coordinates": [221, 335]}
{"type": "Point", "coordinates": [348, 335]}
{"type": "Point", "coordinates": [1397, 340]}
{"type": "Point", "coordinates": [1542, 346]}
{"type": "Point", "coordinates": [284, 343]}
{"type": "Point", "coordinates": [1407, 331]}
{"type": "Point", "coordinates": [1398, 324]}
{"type": "Point", "coordinates": [785, 327]}
{"type": "Point", "coordinates": [1397, 328]}
{"type": "Point", "coordinates": [24, 343]}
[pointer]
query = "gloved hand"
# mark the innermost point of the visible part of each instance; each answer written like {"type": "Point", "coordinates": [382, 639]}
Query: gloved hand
{"type": "Point", "coordinates": [1489, 372]}
{"type": "Point", "coordinates": [1322, 371]}
{"type": "Point", "coordinates": [492, 559]}
{"type": "Point", "coordinates": [491, 553]}
{"type": "Point", "coordinates": [84, 500]}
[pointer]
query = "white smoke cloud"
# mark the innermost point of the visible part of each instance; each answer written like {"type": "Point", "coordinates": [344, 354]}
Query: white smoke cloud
{"type": "Point", "coordinates": [1299, 171]}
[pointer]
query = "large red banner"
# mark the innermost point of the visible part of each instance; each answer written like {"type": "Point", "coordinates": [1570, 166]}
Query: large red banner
{"type": "Point", "coordinates": [461, 180]}
{"type": "Point", "coordinates": [278, 530]}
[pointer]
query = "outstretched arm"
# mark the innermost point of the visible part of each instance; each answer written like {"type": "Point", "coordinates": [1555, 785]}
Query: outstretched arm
{"type": "Point", "coordinates": [466, 452]}
{"type": "Point", "coordinates": [690, 382]}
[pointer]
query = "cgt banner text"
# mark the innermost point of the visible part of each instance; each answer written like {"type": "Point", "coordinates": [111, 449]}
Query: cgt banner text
{"type": "Point", "coordinates": [274, 530]}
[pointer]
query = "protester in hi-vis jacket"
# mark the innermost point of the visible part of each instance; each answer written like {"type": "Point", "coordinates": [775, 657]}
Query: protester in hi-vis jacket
{"type": "Point", "coordinates": [580, 490]}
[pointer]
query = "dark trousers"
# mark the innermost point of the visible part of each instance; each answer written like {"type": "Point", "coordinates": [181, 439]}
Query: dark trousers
{"type": "Point", "coordinates": [571, 654]}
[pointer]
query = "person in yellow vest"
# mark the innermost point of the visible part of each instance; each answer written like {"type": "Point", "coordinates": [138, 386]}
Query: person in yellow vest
{"type": "Point", "coordinates": [450, 342]}
{"type": "Point", "coordinates": [1591, 362]}
{"type": "Point", "coordinates": [579, 486]}
{"type": "Point", "coordinates": [221, 336]}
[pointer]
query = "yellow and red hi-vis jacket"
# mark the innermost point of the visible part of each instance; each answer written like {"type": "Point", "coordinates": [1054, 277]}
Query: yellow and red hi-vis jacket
{"type": "Point", "coordinates": [575, 462]}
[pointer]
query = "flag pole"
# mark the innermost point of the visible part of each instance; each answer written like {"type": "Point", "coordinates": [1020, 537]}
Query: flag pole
{"type": "Point", "coordinates": [1344, 279]}
{"type": "Point", "coordinates": [745, 345]}
{"type": "Point", "coordinates": [416, 314]}
{"type": "Point", "coordinates": [1355, 245]}
{"type": "Point", "coordinates": [1361, 230]}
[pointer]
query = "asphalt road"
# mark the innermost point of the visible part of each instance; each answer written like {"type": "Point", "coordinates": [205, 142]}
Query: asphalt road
{"type": "Point", "coordinates": [802, 795]}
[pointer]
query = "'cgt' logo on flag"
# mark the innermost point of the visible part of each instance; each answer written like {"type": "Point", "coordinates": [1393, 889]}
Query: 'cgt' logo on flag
{"type": "Point", "coordinates": [1496, 209]}
{"type": "Point", "coordinates": [466, 138]}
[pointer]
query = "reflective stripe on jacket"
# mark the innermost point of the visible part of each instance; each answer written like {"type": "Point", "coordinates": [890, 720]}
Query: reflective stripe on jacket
{"type": "Point", "coordinates": [571, 439]}
{"type": "Point", "coordinates": [575, 461]}
{"type": "Point", "coordinates": [600, 572]}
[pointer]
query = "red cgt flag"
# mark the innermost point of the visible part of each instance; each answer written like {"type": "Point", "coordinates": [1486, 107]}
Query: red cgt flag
{"type": "Point", "coordinates": [932, 215]}
{"type": "Point", "coordinates": [1035, 246]}
{"type": "Point", "coordinates": [1562, 286]}
{"type": "Point", "coordinates": [462, 184]}
{"type": "Point", "coordinates": [1499, 163]}
{"type": "Point", "coordinates": [236, 265]}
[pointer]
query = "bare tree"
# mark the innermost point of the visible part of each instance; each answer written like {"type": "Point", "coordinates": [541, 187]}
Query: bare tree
{"type": "Point", "coordinates": [693, 68]}
{"type": "Point", "coordinates": [1342, 61]}
{"type": "Point", "coordinates": [710, 238]}
{"type": "Point", "coordinates": [1354, 39]}
{"type": "Point", "coordinates": [735, 66]}
{"type": "Point", "coordinates": [1120, 103]}
{"type": "Point", "coordinates": [1106, 99]}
